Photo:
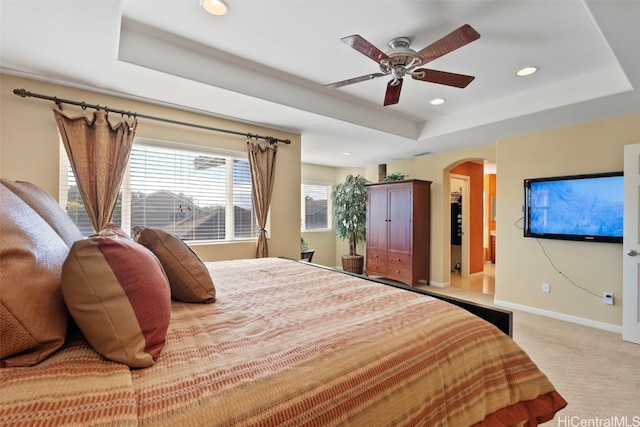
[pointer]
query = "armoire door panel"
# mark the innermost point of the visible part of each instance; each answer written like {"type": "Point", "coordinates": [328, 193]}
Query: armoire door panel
{"type": "Point", "coordinates": [399, 217]}
{"type": "Point", "coordinates": [377, 221]}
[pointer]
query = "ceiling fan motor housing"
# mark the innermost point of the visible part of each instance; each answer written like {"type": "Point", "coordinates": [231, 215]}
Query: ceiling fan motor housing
{"type": "Point", "coordinates": [399, 50]}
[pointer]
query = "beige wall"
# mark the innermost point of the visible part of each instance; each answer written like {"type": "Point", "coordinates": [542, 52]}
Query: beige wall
{"type": "Point", "coordinates": [521, 265]}
{"type": "Point", "coordinates": [29, 151]}
{"type": "Point", "coordinates": [323, 241]}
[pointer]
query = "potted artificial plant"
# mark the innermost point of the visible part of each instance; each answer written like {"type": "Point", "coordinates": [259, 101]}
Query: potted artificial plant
{"type": "Point", "coordinates": [349, 200]}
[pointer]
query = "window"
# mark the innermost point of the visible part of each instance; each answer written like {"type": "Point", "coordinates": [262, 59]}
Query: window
{"type": "Point", "coordinates": [315, 206]}
{"type": "Point", "coordinates": [193, 192]}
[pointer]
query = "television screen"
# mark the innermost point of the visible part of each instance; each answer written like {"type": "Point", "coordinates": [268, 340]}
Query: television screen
{"type": "Point", "coordinates": [579, 207]}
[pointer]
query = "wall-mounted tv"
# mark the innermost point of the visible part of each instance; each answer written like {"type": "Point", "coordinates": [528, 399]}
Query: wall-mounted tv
{"type": "Point", "coordinates": [577, 207]}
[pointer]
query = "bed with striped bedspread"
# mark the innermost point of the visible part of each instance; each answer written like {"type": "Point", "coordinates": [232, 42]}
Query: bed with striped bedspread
{"type": "Point", "coordinates": [290, 344]}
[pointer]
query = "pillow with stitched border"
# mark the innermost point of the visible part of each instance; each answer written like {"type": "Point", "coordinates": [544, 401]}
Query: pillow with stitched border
{"type": "Point", "coordinates": [189, 278]}
{"type": "Point", "coordinates": [118, 294]}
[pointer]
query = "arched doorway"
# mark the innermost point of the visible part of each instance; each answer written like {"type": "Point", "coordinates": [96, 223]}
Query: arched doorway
{"type": "Point", "coordinates": [470, 183]}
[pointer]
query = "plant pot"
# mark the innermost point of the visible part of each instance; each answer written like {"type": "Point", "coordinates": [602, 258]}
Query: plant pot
{"type": "Point", "coordinates": [353, 263]}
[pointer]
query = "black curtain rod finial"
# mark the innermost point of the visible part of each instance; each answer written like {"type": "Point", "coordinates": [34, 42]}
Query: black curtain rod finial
{"type": "Point", "coordinates": [21, 92]}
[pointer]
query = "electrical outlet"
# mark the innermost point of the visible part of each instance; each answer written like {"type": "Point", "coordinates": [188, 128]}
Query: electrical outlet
{"type": "Point", "coordinates": [608, 298]}
{"type": "Point", "coordinates": [546, 288]}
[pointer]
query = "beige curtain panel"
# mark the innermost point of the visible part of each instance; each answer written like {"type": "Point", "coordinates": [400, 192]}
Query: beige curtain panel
{"type": "Point", "coordinates": [98, 153]}
{"type": "Point", "coordinates": [262, 163]}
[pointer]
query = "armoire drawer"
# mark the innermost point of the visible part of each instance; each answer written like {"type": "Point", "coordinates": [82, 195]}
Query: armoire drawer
{"type": "Point", "coordinates": [376, 256]}
{"type": "Point", "coordinates": [401, 274]}
{"type": "Point", "coordinates": [376, 269]}
{"type": "Point", "coordinates": [400, 260]}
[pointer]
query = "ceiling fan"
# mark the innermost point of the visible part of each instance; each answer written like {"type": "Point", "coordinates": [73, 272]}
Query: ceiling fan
{"type": "Point", "coordinates": [400, 60]}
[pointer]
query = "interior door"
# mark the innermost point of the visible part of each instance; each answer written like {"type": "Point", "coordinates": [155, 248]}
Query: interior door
{"type": "Point", "coordinates": [631, 256]}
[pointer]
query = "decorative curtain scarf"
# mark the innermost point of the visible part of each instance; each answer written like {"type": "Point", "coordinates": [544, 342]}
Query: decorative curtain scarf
{"type": "Point", "coordinates": [98, 153]}
{"type": "Point", "coordinates": [262, 163]}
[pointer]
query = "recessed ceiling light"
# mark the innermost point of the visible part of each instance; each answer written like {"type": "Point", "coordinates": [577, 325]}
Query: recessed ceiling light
{"type": "Point", "coordinates": [346, 153]}
{"type": "Point", "coordinates": [438, 101]}
{"type": "Point", "coordinates": [527, 71]}
{"type": "Point", "coordinates": [215, 7]}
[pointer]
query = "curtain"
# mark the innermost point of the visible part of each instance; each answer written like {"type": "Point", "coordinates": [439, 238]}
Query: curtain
{"type": "Point", "coordinates": [98, 153]}
{"type": "Point", "coordinates": [262, 164]}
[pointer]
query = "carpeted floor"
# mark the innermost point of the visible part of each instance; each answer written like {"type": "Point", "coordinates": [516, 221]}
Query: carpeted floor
{"type": "Point", "coordinates": [594, 370]}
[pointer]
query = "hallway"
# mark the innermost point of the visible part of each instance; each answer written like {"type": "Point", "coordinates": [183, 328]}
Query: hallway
{"type": "Point", "coordinates": [485, 283]}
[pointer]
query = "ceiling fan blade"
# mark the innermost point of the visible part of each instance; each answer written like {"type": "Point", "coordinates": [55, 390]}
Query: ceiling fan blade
{"type": "Point", "coordinates": [353, 80]}
{"type": "Point", "coordinates": [364, 47]}
{"type": "Point", "coordinates": [393, 92]}
{"type": "Point", "coordinates": [442, 77]}
{"type": "Point", "coordinates": [452, 41]}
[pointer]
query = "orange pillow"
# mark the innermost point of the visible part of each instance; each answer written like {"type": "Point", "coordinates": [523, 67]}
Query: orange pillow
{"type": "Point", "coordinates": [118, 294]}
{"type": "Point", "coordinates": [33, 317]}
{"type": "Point", "coordinates": [189, 278]}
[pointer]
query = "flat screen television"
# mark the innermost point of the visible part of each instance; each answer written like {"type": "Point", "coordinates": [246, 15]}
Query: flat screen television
{"type": "Point", "coordinates": [578, 207]}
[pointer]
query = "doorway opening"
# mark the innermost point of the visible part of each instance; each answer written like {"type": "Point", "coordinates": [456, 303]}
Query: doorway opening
{"type": "Point", "coordinates": [471, 221]}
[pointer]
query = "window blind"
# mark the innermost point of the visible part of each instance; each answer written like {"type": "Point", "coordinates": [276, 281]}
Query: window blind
{"type": "Point", "coordinates": [193, 193]}
{"type": "Point", "coordinates": [315, 207]}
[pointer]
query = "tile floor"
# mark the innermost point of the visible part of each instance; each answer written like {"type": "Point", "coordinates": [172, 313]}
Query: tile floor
{"type": "Point", "coordinates": [485, 283]}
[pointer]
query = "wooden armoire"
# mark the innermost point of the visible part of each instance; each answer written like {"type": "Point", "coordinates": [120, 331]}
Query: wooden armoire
{"type": "Point", "coordinates": [398, 230]}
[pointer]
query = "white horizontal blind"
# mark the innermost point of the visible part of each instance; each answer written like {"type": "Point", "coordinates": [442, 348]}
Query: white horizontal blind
{"type": "Point", "coordinates": [315, 206]}
{"type": "Point", "coordinates": [193, 193]}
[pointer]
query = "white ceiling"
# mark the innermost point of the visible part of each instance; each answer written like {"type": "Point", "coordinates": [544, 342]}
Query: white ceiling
{"type": "Point", "coordinates": [266, 63]}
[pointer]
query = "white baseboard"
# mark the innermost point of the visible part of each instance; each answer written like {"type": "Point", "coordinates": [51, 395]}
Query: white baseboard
{"type": "Point", "coordinates": [560, 316]}
{"type": "Point", "coordinates": [439, 284]}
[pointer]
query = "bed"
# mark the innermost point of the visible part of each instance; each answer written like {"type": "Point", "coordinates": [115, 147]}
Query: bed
{"type": "Point", "coordinates": [288, 343]}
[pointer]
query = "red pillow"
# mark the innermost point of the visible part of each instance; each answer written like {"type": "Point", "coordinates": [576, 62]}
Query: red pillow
{"type": "Point", "coordinates": [118, 294]}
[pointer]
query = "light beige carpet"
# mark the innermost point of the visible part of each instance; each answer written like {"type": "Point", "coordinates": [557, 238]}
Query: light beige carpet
{"type": "Point", "coordinates": [594, 370]}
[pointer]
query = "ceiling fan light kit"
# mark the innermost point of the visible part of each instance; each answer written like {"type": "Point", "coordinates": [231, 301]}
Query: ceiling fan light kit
{"type": "Point", "coordinates": [400, 60]}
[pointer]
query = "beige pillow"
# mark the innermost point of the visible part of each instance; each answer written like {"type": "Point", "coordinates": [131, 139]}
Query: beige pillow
{"type": "Point", "coordinates": [33, 317]}
{"type": "Point", "coordinates": [118, 294]}
{"type": "Point", "coordinates": [47, 207]}
{"type": "Point", "coordinates": [189, 279]}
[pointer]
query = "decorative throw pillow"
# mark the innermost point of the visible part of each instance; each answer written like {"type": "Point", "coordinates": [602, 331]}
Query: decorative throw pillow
{"type": "Point", "coordinates": [47, 207]}
{"type": "Point", "coordinates": [118, 294]}
{"type": "Point", "coordinates": [33, 317]}
{"type": "Point", "coordinates": [189, 279]}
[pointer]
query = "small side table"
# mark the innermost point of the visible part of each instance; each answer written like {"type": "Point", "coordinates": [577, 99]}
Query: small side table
{"type": "Point", "coordinates": [307, 255]}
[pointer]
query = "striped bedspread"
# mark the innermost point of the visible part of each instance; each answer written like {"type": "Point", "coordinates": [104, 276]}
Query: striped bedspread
{"type": "Point", "coordinates": [289, 344]}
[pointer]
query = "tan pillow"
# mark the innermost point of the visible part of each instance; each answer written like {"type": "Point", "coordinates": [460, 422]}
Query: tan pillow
{"type": "Point", "coordinates": [189, 279]}
{"type": "Point", "coordinates": [47, 207]}
{"type": "Point", "coordinates": [33, 317]}
{"type": "Point", "coordinates": [118, 294]}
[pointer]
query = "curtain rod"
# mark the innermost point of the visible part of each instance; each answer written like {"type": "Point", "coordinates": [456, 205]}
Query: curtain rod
{"type": "Point", "coordinates": [24, 93]}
